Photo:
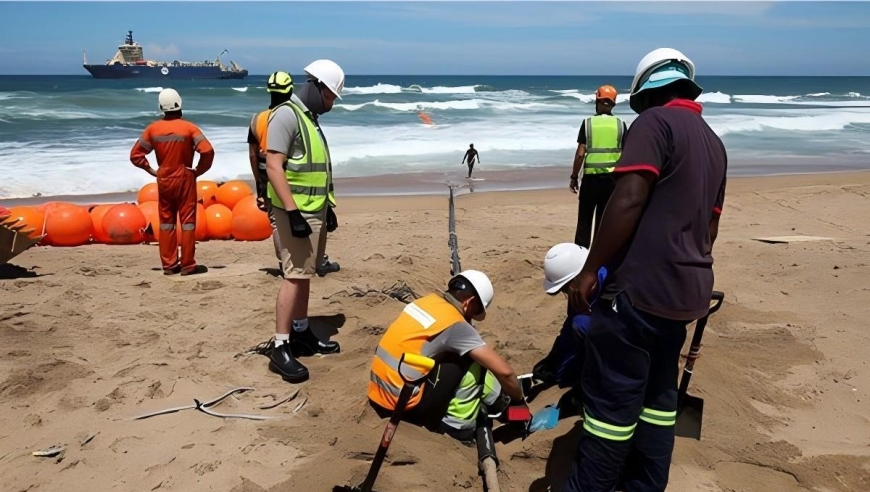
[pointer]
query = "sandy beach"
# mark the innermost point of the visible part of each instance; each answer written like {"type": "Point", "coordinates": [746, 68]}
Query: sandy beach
{"type": "Point", "coordinates": [93, 336]}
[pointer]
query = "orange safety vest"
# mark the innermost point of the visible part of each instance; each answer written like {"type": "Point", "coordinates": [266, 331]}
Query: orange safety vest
{"type": "Point", "coordinates": [260, 129]}
{"type": "Point", "coordinates": [419, 322]}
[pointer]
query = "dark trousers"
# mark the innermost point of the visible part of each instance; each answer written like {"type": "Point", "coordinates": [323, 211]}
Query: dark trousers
{"type": "Point", "coordinates": [439, 388]}
{"type": "Point", "coordinates": [595, 191]}
{"type": "Point", "coordinates": [629, 382]}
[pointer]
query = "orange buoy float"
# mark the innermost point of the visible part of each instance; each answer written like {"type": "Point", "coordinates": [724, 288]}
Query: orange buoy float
{"type": "Point", "coordinates": [206, 193]}
{"type": "Point", "coordinates": [220, 222]}
{"type": "Point", "coordinates": [151, 212]}
{"type": "Point", "coordinates": [98, 235]}
{"type": "Point", "coordinates": [4, 212]}
{"type": "Point", "coordinates": [48, 206]}
{"type": "Point", "coordinates": [67, 225]}
{"type": "Point", "coordinates": [124, 224]}
{"type": "Point", "coordinates": [229, 193]}
{"type": "Point", "coordinates": [249, 222]}
{"type": "Point", "coordinates": [30, 218]}
{"type": "Point", "coordinates": [147, 193]}
{"type": "Point", "coordinates": [201, 223]}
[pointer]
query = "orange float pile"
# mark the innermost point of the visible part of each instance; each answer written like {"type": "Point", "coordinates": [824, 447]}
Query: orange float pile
{"type": "Point", "coordinates": [225, 211]}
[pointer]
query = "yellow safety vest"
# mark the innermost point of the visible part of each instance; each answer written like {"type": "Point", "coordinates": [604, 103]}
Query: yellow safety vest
{"type": "Point", "coordinates": [309, 176]}
{"type": "Point", "coordinates": [603, 143]}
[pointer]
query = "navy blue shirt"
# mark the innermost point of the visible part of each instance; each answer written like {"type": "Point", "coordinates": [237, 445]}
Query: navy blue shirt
{"type": "Point", "coordinates": [667, 268]}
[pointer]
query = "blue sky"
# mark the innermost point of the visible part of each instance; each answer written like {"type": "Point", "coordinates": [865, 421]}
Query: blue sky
{"type": "Point", "coordinates": [457, 38]}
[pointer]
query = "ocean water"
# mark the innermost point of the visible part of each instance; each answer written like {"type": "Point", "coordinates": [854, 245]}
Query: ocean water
{"type": "Point", "coordinates": [72, 134]}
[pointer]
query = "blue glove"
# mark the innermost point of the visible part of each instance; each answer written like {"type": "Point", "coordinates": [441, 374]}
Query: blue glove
{"type": "Point", "coordinates": [546, 418]}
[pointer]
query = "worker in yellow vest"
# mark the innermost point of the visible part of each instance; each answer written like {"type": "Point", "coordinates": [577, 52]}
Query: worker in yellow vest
{"type": "Point", "coordinates": [279, 85]}
{"type": "Point", "coordinates": [599, 145]}
{"type": "Point", "coordinates": [468, 375]}
{"type": "Point", "coordinates": [300, 189]}
{"type": "Point", "coordinates": [280, 89]}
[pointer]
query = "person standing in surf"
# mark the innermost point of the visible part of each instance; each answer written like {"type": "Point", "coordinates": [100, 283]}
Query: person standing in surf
{"type": "Point", "coordinates": [470, 156]}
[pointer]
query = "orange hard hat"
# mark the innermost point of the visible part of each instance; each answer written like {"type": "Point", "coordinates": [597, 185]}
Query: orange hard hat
{"type": "Point", "coordinates": [606, 92]}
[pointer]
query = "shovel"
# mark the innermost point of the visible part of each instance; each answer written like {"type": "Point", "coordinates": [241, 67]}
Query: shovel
{"type": "Point", "coordinates": [422, 365]}
{"type": "Point", "coordinates": [690, 409]}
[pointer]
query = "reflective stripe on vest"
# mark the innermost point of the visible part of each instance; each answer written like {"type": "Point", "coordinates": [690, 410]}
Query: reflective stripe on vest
{"type": "Point", "coordinates": [309, 176]}
{"type": "Point", "coordinates": [474, 389]}
{"type": "Point", "coordinates": [419, 322]}
{"type": "Point", "coordinates": [603, 143]}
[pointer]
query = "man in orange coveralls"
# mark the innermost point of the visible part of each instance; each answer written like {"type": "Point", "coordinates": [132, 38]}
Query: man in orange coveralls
{"type": "Point", "coordinates": [174, 140]}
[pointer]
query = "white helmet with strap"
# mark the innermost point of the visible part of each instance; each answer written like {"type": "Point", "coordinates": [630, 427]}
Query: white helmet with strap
{"type": "Point", "coordinates": [169, 100]}
{"type": "Point", "coordinates": [481, 285]}
{"type": "Point", "coordinates": [562, 263]}
{"type": "Point", "coordinates": [662, 67]}
{"type": "Point", "coordinates": [329, 74]}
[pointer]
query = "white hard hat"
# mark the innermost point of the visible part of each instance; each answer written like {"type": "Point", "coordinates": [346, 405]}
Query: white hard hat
{"type": "Point", "coordinates": [329, 73]}
{"type": "Point", "coordinates": [661, 67]}
{"type": "Point", "coordinates": [562, 263]}
{"type": "Point", "coordinates": [482, 285]}
{"type": "Point", "coordinates": [169, 100]}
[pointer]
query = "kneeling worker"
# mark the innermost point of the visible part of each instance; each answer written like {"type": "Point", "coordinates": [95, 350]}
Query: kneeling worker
{"type": "Point", "coordinates": [563, 364]}
{"type": "Point", "coordinates": [467, 373]}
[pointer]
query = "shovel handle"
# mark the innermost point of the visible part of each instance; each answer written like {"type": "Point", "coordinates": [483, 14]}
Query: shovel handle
{"type": "Point", "coordinates": [695, 349]}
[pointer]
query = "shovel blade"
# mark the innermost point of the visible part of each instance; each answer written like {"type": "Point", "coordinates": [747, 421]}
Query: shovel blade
{"type": "Point", "coordinates": [690, 417]}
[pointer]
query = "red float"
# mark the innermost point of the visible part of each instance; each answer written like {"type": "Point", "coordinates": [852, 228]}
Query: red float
{"type": "Point", "coordinates": [220, 222]}
{"type": "Point", "coordinates": [231, 192]}
{"type": "Point", "coordinates": [98, 235]}
{"type": "Point", "coordinates": [67, 225]}
{"type": "Point", "coordinates": [152, 217]}
{"type": "Point", "coordinates": [124, 224]}
{"type": "Point", "coordinates": [249, 222]}
{"type": "Point", "coordinates": [206, 193]}
{"type": "Point", "coordinates": [30, 217]}
{"type": "Point", "coordinates": [147, 193]}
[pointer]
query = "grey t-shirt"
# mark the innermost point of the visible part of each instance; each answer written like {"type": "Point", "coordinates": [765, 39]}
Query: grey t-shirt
{"type": "Point", "coordinates": [460, 338]}
{"type": "Point", "coordinates": [283, 133]}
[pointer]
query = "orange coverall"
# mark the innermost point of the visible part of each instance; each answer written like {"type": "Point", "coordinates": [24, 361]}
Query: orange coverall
{"type": "Point", "coordinates": [174, 141]}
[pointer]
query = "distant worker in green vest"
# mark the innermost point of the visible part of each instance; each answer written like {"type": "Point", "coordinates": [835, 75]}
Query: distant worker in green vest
{"type": "Point", "coordinates": [599, 147]}
{"type": "Point", "coordinates": [302, 197]}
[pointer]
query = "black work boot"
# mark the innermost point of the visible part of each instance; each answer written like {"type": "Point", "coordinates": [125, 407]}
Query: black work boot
{"type": "Point", "coordinates": [327, 267]}
{"type": "Point", "coordinates": [306, 343]}
{"type": "Point", "coordinates": [282, 362]}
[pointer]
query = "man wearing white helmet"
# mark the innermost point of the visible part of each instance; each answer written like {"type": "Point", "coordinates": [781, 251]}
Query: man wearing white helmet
{"type": "Point", "coordinates": [300, 189]}
{"type": "Point", "coordinates": [656, 239]}
{"type": "Point", "coordinates": [468, 374]}
{"type": "Point", "coordinates": [563, 363]}
{"type": "Point", "coordinates": [174, 141]}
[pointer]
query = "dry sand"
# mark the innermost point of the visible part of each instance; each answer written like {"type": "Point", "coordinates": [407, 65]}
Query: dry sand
{"type": "Point", "coordinates": [92, 336]}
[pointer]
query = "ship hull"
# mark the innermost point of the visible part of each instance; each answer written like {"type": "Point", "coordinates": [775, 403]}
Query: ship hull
{"type": "Point", "coordinates": [169, 73]}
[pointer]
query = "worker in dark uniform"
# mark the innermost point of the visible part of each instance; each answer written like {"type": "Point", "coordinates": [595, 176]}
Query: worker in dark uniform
{"type": "Point", "coordinates": [655, 239]}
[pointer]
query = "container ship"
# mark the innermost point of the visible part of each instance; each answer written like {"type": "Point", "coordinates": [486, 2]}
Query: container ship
{"type": "Point", "coordinates": [129, 63]}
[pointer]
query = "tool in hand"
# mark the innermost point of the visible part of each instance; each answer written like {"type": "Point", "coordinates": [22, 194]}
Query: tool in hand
{"type": "Point", "coordinates": [423, 365]}
{"type": "Point", "coordinates": [690, 409]}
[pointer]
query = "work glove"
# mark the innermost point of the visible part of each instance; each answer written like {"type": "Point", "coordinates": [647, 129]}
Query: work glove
{"type": "Point", "coordinates": [331, 220]}
{"type": "Point", "coordinates": [298, 225]}
{"type": "Point", "coordinates": [546, 418]}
